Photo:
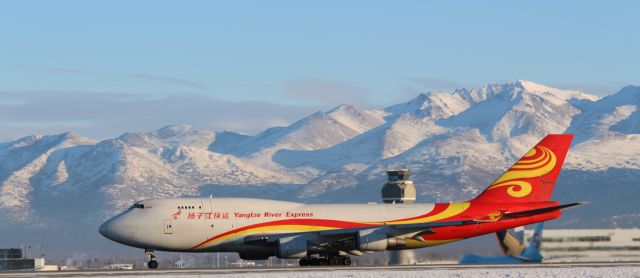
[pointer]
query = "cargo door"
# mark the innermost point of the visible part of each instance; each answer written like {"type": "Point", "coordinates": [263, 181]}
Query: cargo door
{"type": "Point", "coordinates": [168, 226]}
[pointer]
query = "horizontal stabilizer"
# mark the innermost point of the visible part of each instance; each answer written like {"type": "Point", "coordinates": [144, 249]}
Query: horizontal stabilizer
{"type": "Point", "coordinates": [539, 211]}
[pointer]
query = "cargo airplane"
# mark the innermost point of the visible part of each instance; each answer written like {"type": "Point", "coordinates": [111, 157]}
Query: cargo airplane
{"type": "Point", "coordinates": [325, 234]}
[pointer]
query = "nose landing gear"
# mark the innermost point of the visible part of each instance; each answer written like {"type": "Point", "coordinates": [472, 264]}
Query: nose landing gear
{"type": "Point", "coordinates": [152, 264]}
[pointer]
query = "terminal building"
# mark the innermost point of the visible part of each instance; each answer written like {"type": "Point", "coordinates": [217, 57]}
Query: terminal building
{"type": "Point", "coordinates": [590, 244]}
{"type": "Point", "coordinates": [12, 259]}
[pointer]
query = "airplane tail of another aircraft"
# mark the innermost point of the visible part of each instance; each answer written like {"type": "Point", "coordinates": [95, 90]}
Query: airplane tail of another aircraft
{"type": "Point", "coordinates": [532, 178]}
{"type": "Point", "coordinates": [511, 244]}
{"type": "Point", "coordinates": [532, 252]}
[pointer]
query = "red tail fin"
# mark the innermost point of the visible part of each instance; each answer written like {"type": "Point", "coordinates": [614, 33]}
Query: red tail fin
{"type": "Point", "coordinates": [532, 178]}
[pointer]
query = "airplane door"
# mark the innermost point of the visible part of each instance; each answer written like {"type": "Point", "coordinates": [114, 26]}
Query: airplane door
{"type": "Point", "coordinates": [168, 226]}
{"type": "Point", "coordinates": [207, 225]}
{"type": "Point", "coordinates": [206, 205]}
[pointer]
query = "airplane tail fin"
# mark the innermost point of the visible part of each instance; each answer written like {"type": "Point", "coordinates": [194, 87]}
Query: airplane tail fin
{"type": "Point", "coordinates": [533, 177]}
{"type": "Point", "coordinates": [510, 243]}
{"type": "Point", "coordinates": [532, 252]}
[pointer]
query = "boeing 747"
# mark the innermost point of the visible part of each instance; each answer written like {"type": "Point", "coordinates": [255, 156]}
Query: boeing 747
{"type": "Point", "coordinates": [326, 234]}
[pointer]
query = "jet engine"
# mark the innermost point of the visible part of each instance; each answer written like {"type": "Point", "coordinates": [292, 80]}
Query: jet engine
{"type": "Point", "coordinates": [376, 240]}
{"type": "Point", "coordinates": [294, 247]}
{"type": "Point", "coordinates": [372, 240]}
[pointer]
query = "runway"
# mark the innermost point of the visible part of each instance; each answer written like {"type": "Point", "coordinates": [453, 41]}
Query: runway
{"type": "Point", "coordinates": [604, 269]}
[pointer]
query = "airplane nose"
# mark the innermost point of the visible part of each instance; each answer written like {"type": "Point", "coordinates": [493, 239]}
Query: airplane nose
{"type": "Point", "coordinates": [119, 229]}
{"type": "Point", "coordinates": [104, 229]}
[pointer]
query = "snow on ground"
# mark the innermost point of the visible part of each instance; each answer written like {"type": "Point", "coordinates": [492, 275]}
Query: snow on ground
{"type": "Point", "coordinates": [555, 272]}
{"type": "Point", "coordinates": [498, 271]}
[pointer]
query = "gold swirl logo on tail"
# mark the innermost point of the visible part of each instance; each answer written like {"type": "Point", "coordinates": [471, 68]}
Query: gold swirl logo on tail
{"type": "Point", "coordinates": [535, 163]}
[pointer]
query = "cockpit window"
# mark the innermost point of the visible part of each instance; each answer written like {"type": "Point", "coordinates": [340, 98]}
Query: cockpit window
{"type": "Point", "coordinates": [137, 205]}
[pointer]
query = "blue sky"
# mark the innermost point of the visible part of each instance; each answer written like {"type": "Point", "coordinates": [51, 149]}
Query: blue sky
{"type": "Point", "coordinates": [103, 68]}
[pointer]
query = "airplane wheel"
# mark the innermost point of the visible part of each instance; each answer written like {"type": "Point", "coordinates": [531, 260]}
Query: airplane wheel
{"type": "Point", "coordinates": [323, 261]}
{"type": "Point", "coordinates": [315, 261]}
{"type": "Point", "coordinates": [346, 261]}
{"type": "Point", "coordinates": [333, 261]}
{"type": "Point", "coordinates": [304, 262]}
{"type": "Point", "coordinates": [152, 264]}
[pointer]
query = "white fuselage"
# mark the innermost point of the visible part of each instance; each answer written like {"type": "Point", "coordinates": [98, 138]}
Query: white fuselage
{"type": "Point", "coordinates": [221, 224]}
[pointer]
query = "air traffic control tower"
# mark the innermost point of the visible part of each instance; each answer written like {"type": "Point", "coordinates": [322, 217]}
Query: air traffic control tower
{"type": "Point", "coordinates": [399, 187]}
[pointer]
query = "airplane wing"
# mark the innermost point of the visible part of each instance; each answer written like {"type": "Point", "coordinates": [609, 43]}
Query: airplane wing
{"type": "Point", "coordinates": [401, 229]}
{"type": "Point", "coordinates": [413, 230]}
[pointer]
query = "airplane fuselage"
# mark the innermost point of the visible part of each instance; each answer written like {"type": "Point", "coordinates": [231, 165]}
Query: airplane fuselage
{"type": "Point", "coordinates": [225, 224]}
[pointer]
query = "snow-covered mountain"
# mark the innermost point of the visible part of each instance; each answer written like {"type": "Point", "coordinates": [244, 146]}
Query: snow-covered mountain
{"type": "Point", "coordinates": [317, 131]}
{"type": "Point", "coordinates": [455, 143]}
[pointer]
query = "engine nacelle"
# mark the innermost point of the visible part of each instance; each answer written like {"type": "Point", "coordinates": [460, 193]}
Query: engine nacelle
{"type": "Point", "coordinates": [372, 240]}
{"type": "Point", "coordinates": [294, 247]}
{"type": "Point", "coordinates": [376, 240]}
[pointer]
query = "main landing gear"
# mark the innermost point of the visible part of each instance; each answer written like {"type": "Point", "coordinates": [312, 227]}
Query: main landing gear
{"type": "Point", "coordinates": [328, 260]}
{"type": "Point", "coordinates": [152, 264]}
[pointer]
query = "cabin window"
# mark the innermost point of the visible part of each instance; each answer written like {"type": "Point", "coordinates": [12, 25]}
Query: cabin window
{"type": "Point", "coordinates": [189, 207]}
